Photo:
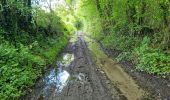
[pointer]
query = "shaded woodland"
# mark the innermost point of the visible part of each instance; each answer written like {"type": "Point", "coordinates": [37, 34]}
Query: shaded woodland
{"type": "Point", "coordinates": [31, 38]}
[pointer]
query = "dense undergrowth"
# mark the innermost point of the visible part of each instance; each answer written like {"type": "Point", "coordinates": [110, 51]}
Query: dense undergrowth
{"type": "Point", "coordinates": [22, 65]}
{"type": "Point", "coordinates": [139, 29]}
{"type": "Point", "coordinates": [30, 40]}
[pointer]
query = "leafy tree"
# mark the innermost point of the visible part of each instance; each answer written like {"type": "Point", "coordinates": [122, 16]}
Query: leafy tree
{"type": "Point", "coordinates": [124, 25]}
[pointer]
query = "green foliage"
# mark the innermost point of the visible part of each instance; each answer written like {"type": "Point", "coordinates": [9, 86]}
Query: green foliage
{"type": "Point", "coordinates": [138, 28]}
{"type": "Point", "coordinates": [152, 60]}
{"type": "Point", "coordinates": [56, 47]}
{"type": "Point", "coordinates": [49, 21]}
{"type": "Point", "coordinates": [90, 18]}
{"type": "Point", "coordinates": [19, 69]}
{"type": "Point", "coordinates": [15, 14]}
{"type": "Point", "coordinates": [78, 24]}
{"type": "Point", "coordinates": [30, 39]}
{"type": "Point", "coordinates": [124, 56]}
{"type": "Point", "coordinates": [69, 2]}
{"type": "Point", "coordinates": [21, 66]}
{"type": "Point", "coordinates": [121, 42]}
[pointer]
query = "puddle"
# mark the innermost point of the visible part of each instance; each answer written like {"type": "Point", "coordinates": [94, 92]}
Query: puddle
{"type": "Point", "coordinates": [115, 73]}
{"type": "Point", "coordinates": [57, 80]}
{"type": "Point", "coordinates": [54, 80]}
{"type": "Point", "coordinates": [66, 60]}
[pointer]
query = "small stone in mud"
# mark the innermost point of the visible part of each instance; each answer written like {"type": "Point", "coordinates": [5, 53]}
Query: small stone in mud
{"type": "Point", "coordinates": [132, 70]}
{"type": "Point", "coordinates": [80, 57]}
{"type": "Point", "coordinates": [107, 82]}
{"type": "Point", "coordinates": [168, 85]}
{"type": "Point", "coordinates": [79, 86]}
{"type": "Point", "coordinates": [30, 90]}
{"type": "Point", "coordinates": [102, 72]}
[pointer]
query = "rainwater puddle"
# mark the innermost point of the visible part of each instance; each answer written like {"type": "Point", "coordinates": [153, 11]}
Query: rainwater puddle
{"type": "Point", "coordinates": [66, 61]}
{"type": "Point", "coordinates": [115, 73]}
{"type": "Point", "coordinates": [54, 80]}
{"type": "Point", "coordinates": [58, 78]}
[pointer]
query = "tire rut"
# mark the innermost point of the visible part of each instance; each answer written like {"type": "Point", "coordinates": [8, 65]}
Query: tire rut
{"type": "Point", "coordinates": [85, 82]}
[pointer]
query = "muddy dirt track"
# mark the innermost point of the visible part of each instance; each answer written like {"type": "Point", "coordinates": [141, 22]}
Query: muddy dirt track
{"type": "Point", "coordinates": [76, 76]}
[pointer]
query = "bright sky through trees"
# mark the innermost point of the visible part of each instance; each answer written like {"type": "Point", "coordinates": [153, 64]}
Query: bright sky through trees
{"type": "Point", "coordinates": [48, 5]}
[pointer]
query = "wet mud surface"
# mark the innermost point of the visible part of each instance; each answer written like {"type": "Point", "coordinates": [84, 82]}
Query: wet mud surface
{"type": "Point", "coordinates": [116, 74]}
{"type": "Point", "coordinates": [85, 72]}
{"type": "Point", "coordinates": [158, 87]}
{"type": "Point", "coordinates": [74, 77]}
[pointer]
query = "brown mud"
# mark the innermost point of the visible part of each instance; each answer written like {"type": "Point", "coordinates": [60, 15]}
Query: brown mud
{"type": "Point", "coordinates": [157, 86]}
{"type": "Point", "coordinates": [116, 73]}
{"type": "Point", "coordinates": [85, 72]}
{"type": "Point", "coordinates": [73, 78]}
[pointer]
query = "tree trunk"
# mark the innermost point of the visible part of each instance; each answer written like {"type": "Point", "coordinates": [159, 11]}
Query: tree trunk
{"type": "Point", "coordinates": [131, 12]}
{"type": "Point", "coordinates": [99, 7]}
{"type": "Point", "coordinates": [143, 9]}
{"type": "Point", "coordinates": [165, 8]}
{"type": "Point", "coordinates": [30, 14]}
{"type": "Point", "coordinates": [141, 18]}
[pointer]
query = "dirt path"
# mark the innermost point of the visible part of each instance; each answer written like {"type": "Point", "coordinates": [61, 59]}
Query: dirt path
{"type": "Point", "coordinates": [85, 72]}
{"type": "Point", "coordinates": [76, 78]}
{"type": "Point", "coordinates": [116, 74]}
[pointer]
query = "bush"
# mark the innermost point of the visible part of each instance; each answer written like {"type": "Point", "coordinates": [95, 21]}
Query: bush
{"type": "Point", "coordinates": [124, 56]}
{"type": "Point", "coordinates": [20, 66]}
{"type": "Point", "coordinates": [56, 46]}
{"type": "Point", "coordinates": [19, 69]}
{"type": "Point", "coordinates": [28, 42]}
{"type": "Point", "coordinates": [78, 24]}
{"type": "Point", "coordinates": [152, 60]}
{"type": "Point", "coordinates": [121, 42]}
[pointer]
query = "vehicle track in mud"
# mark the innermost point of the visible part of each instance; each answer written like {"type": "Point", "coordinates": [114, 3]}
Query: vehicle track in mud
{"type": "Point", "coordinates": [82, 80]}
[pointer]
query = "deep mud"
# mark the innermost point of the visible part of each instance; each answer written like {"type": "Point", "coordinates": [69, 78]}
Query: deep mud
{"type": "Point", "coordinates": [75, 77]}
{"type": "Point", "coordinates": [118, 77]}
{"type": "Point", "coordinates": [158, 87]}
{"type": "Point", "coordinates": [85, 72]}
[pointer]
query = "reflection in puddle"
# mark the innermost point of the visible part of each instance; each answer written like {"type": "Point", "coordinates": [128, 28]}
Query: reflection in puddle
{"type": "Point", "coordinates": [63, 78]}
{"type": "Point", "coordinates": [66, 61]}
{"type": "Point", "coordinates": [56, 80]}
